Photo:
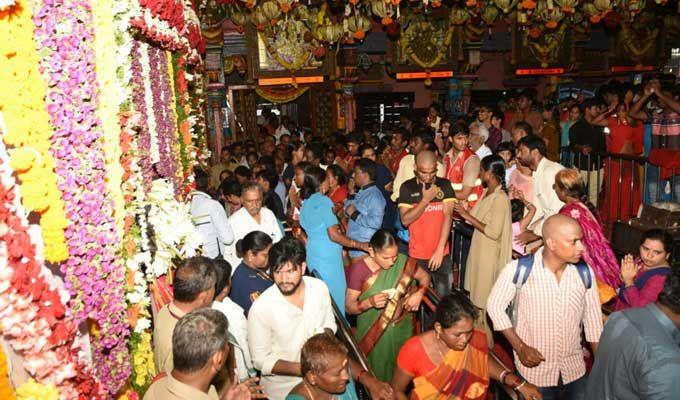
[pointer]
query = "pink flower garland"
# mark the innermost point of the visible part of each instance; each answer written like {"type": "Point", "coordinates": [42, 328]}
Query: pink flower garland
{"type": "Point", "coordinates": [164, 115]}
{"type": "Point", "coordinates": [139, 104]}
{"type": "Point", "coordinates": [94, 277]}
{"type": "Point", "coordinates": [35, 319]}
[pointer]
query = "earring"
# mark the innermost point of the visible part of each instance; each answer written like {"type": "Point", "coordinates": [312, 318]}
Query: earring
{"type": "Point", "coordinates": [436, 335]}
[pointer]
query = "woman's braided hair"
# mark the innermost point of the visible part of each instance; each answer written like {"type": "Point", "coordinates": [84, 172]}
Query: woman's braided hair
{"type": "Point", "coordinates": [496, 165]}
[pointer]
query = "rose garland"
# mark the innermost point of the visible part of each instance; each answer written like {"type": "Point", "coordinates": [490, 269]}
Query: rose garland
{"type": "Point", "coordinates": [29, 129]}
{"type": "Point", "coordinates": [32, 301]}
{"type": "Point", "coordinates": [172, 24]}
{"type": "Point", "coordinates": [93, 275]}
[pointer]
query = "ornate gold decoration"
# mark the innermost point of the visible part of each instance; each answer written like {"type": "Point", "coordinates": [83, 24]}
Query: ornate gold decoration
{"type": "Point", "coordinates": [546, 48]}
{"type": "Point", "coordinates": [425, 41]}
{"type": "Point", "coordinates": [279, 95]}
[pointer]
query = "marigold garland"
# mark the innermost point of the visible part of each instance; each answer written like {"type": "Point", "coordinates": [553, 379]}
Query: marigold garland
{"type": "Point", "coordinates": [6, 390]}
{"type": "Point", "coordinates": [29, 129]}
{"type": "Point", "coordinates": [182, 110]}
{"type": "Point", "coordinates": [94, 276]}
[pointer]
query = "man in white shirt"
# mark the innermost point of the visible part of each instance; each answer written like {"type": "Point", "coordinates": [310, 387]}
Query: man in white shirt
{"type": "Point", "coordinates": [251, 217]}
{"type": "Point", "coordinates": [423, 140]}
{"type": "Point", "coordinates": [531, 152]}
{"type": "Point", "coordinates": [479, 134]}
{"type": "Point", "coordinates": [210, 219]}
{"type": "Point", "coordinates": [285, 316]}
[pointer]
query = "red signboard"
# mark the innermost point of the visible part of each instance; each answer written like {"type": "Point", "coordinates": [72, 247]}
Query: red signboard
{"type": "Point", "coordinates": [539, 71]}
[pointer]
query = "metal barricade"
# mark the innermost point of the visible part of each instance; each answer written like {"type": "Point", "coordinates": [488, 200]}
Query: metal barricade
{"type": "Point", "coordinates": [623, 181]}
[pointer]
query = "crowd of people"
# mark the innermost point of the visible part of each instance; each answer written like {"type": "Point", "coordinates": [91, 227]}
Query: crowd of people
{"type": "Point", "coordinates": [293, 224]}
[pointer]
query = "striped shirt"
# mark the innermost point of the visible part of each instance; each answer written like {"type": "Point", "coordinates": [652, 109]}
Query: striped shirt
{"type": "Point", "coordinates": [549, 317]}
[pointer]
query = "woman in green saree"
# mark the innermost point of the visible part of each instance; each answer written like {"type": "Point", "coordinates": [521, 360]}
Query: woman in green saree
{"type": "Point", "coordinates": [381, 290]}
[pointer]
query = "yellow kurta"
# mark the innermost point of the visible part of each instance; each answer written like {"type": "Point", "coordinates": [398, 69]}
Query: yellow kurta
{"type": "Point", "coordinates": [492, 250]}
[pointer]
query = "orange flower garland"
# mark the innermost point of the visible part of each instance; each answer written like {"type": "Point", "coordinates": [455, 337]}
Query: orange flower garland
{"type": "Point", "coordinates": [6, 390]}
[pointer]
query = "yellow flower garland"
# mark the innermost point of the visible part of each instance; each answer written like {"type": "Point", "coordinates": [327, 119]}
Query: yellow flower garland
{"type": "Point", "coordinates": [142, 360]}
{"type": "Point", "coordinates": [33, 390]}
{"type": "Point", "coordinates": [28, 130]}
{"type": "Point", "coordinates": [109, 103]}
{"type": "Point", "coordinates": [6, 390]}
{"type": "Point", "coordinates": [173, 106]}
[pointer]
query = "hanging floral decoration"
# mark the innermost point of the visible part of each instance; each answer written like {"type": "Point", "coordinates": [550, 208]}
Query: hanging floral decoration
{"type": "Point", "coordinates": [140, 81]}
{"type": "Point", "coordinates": [29, 128]}
{"type": "Point", "coordinates": [163, 113]}
{"type": "Point", "coordinates": [113, 75]}
{"type": "Point", "coordinates": [33, 314]}
{"type": "Point", "coordinates": [346, 24]}
{"type": "Point", "coordinates": [172, 24]}
{"type": "Point", "coordinates": [186, 123]}
{"type": "Point", "coordinates": [94, 276]}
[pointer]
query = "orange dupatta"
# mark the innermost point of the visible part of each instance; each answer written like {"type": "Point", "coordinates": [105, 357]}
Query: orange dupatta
{"type": "Point", "coordinates": [461, 375]}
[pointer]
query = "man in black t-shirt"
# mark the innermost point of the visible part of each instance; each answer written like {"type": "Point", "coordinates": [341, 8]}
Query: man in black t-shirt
{"type": "Point", "coordinates": [587, 140]}
{"type": "Point", "coordinates": [426, 207]}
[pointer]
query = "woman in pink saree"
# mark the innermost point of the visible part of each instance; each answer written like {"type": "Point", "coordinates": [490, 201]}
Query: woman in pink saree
{"type": "Point", "coordinates": [598, 253]}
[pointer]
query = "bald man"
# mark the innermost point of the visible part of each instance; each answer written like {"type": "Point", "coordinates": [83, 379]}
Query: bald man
{"type": "Point", "coordinates": [426, 207]}
{"type": "Point", "coordinates": [553, 303]}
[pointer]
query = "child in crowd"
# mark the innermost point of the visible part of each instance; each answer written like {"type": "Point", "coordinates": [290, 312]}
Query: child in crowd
{"type": "Point", "coordinates": [520, 221]}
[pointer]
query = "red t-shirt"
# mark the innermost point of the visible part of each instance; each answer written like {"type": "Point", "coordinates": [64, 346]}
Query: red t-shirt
{"type": "Point", "coordinates": [424, 232]}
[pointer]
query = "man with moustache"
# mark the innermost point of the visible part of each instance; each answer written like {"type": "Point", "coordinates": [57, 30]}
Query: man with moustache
{"type": "Point", "coordinates": [281, 320]}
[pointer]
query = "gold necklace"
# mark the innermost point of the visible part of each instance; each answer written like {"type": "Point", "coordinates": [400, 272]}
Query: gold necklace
{"type": "Point", "coordinates": [309, 391]}
{"type": "Point", "coordinates": [440, 350]}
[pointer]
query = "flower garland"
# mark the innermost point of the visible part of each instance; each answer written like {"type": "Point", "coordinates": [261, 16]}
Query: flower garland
{"type": "Point", "coordinates": [136, 253]}
{"type": "Point", "coordinates": [93, 274]}
{"type": "Point", "coordinates": [143, 367]}
{"type": "Point", "coordinates": [177, 143]}
{"type": "Point", "coordinates": [182, 110]}
{"type": "Point", "coordinates": [181, 241]}
{"type": "Point", "coordinates": [140, 106]}
{"type": "Point", "coordinates": [33, 390]}
{"type": "Point", "coordinates": [29, 129]}
{"type": "Point", "coordinates": [114, 80]}
{"type": "Point", "coordinates": [6, 390]}
{"type": "Point", "coordinates": [199, 154]}
{"type": "Point", "coordinates": [163, 110]}
{"type": "Point", "coordinates": [172, 24]}
{"type": "Point", "coordinates": [32, 300]}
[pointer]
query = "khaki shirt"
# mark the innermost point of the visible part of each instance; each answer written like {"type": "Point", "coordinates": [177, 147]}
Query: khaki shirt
{"type": "Point", "coordinates": [216, 170]}
{"type": "Point", "coordinates": [169, 388]}
{"type": "Point", "coordinates": [162, 336]}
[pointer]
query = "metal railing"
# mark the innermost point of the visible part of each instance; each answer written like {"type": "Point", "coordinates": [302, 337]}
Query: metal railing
{"type": "Point", "coordinates": [624, 174]}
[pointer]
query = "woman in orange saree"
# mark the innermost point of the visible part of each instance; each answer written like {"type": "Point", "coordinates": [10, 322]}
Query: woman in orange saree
{"type": "Point", "coordinates": [452, 361]}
